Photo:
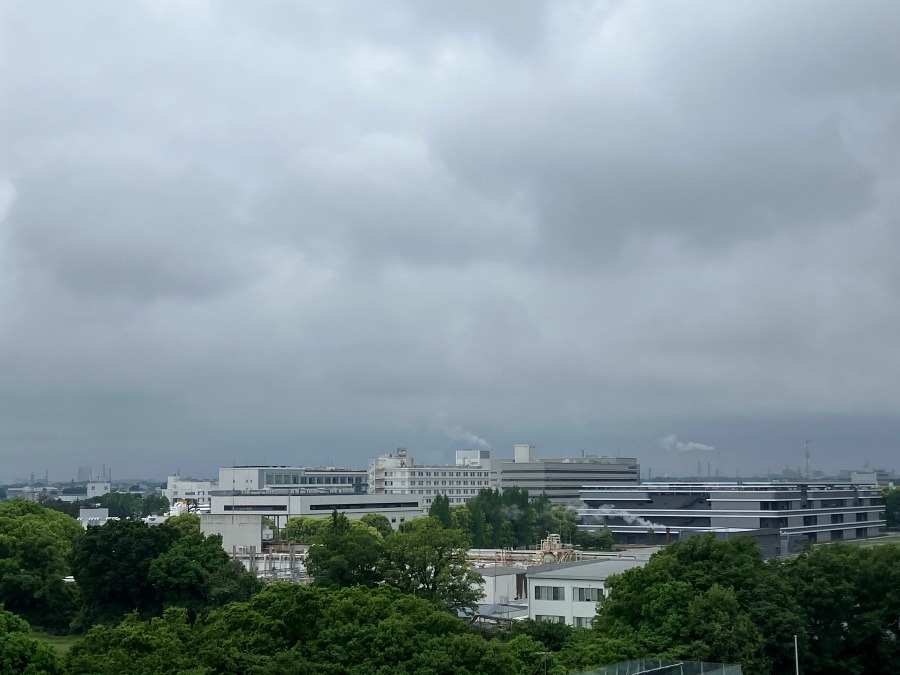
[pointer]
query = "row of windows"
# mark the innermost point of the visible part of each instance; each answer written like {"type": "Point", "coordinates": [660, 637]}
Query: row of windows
{"type": "Point", "coordinates": [302, 479]}
{"type": "Point", "coordinates": [549, 618]}
{"type": "Point", "coordinates": [549, 593]}
{"type": "Point", "coordinates": [460, 491]}
{"type": "Point", "coordinates": [442, 474]}
{"type": "Point", "coordinates": [836, 535]}
{"type": "Point", "coordinates": [443, 482]}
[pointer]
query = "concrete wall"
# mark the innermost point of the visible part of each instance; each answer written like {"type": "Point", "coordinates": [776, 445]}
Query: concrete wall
{"type": "Point", "coordinates": [239, 532]}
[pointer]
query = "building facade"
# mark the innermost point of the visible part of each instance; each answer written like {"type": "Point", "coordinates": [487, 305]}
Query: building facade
{"type": "Point", "coordinates": [328, 479]}
{"type": "Point", "coordinates": [801, 513]}
{"type": "Point", "coordinates": [569, 592]}
{"type": "Point", "coordinates": [398, 474]}
{"type": "Point", "coordinates": [561, 479]}
{"type": "Point", "coordinates": [188, 490]}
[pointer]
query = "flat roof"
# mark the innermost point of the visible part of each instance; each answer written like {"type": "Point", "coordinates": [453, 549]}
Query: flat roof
{"type": "Point", "coordinates": [588, 570]}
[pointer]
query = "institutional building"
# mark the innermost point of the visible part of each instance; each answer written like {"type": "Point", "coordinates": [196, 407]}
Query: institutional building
{"type": "Point", "coordinates": [398, 474]}
{"type": "Point", "coordinates": [561, 479]}
{"type": "Point", "coordinates": [267, 478]}
{"type": "Point", "coordinates": [800, 512]}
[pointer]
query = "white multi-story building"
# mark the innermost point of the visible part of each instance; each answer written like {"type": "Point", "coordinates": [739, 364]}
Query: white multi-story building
{"type": "Point", "coordinates": [398, 474]}
{"type": "Point", "coordinates": [188, 490]}
{"type": "Point", "coordinates": [569, 592]}
{"type": "Point", "coordinates": [561, 479]}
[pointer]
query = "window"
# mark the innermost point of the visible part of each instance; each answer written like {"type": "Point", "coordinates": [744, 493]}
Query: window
{"type": "Point", "coordinates": [588, 594]}
{"type": "Point", "coordinates": [549, 593]}
{"type": "Point", "coordinates": [583, 621]}
{"type": "Point", "coordinates": [810, 520]}
{"type": "Point", "coordinates": [837, 517]}
{"type": "Point", "coordinates": [862, 517]}
{"type": "Point", "coordinates": [837, 535]}
{"type": "Point", "coordinates": [860, 532]}
{"type": "Point", "coordinates": [549, 618]}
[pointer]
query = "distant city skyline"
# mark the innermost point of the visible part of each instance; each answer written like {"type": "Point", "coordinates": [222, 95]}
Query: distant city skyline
{"type": "Point", "coordinates": [310, 233]}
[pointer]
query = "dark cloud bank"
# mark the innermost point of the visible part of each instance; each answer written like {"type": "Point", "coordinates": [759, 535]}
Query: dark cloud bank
{"type": "Point", "coordinates": [303, 233]}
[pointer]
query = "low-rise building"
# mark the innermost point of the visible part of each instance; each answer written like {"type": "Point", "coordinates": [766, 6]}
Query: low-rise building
{"type": "Point", "coordinates": [569, 592]}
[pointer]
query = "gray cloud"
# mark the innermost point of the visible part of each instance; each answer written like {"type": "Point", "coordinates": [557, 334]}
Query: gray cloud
{"type": "Point", "coordinates": [298, 233]}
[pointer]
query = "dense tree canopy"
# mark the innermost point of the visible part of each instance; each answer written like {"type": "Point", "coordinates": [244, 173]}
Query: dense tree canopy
{"type": "Point", "coordinates": [35, 543]}
{"type": "Point", "coordinates": [20, 653]}
{"type": "Point", "coordinates": [429, 561]}
{"type": "Point", "coordinates": [347, 554]}
{"type": "Point", "coordinates": [298, 629]}
{"type": "Point", "coordinates": [128, 566]}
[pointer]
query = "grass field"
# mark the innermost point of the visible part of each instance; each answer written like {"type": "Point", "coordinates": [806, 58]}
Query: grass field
{"type": "Point", "coordinates": [889, 538]}
{"type": "Point", "coordinates": [61, 644]}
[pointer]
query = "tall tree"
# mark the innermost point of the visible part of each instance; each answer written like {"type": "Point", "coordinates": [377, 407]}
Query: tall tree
{"type": "Point", "coordinates": [35, 543]}
{"type": "Point", "coordinates": [430, 561]}
{"type": "Point", "coordinates": [440, 509]}
{"type": "Point", "coordinates": [346, 554]}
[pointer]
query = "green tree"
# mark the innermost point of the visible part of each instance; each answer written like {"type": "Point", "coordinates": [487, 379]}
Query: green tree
{"type": "Point", "coordinates": [162, 645]}
{"type": "Point", "coordinates": [892, 507]}
{"type": "Point", "coordinates": [154, 505]}
{"type": "Point", "coordinates": [429, 561]}
{"type": "Point", "coordinates": [440, 509]}
{"type": "Point", "coordinates": [35, 543]}
{"type": "Point", "coordinates": [20, 653]}
{"type": "Point", "coordinates": [196, 573]}
{"type": "Point", "coordinates": [379, 522]}
{"type": "Point", "coordinates": [304, 529]}
{"type": "Point", "coordinates": [112, 567]}
{"type": "Point", "coordinates": [122, 505]}
{"type": "Point", "coordinates": [564, 522]}
{"type": "Point", "coordinates": [346, 554]}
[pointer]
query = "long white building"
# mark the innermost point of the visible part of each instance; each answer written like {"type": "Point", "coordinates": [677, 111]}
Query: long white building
{"type": "Point", "coordinates": [801, 513]}
{"type": "Point", "coordinates": [330, 479]}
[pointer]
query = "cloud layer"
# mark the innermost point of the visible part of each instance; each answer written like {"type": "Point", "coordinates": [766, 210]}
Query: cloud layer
{"type": "Point", "coordinates": [303, 233]}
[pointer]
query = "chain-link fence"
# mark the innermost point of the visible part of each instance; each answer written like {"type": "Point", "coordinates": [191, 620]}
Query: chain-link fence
{"type": "Point", "coordinates": [665, 667]}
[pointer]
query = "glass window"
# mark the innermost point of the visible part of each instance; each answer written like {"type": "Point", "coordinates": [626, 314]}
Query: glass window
{"type": "Point", "coordinates": [549, 593]}
{"type": "Point", "coordinates": [588, 594]}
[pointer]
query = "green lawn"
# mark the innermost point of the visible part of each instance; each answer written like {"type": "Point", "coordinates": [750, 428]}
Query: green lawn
{"type": "Point", "coordinates": [889, 538]}
{"type": "Point", "coordinates": [61, 643]}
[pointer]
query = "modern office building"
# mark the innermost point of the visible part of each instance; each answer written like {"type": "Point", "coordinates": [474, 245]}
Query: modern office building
{"type": "Point", "coordinates": [398, 474]}
{"type": "Point", "coordinates": [800, 512]}
{"type": "Point", "coordinates": [267, 478]}
{"type": "Point", "coordinates": [561, 479]}
{"type": "Point", "coordinates": [569, 592]}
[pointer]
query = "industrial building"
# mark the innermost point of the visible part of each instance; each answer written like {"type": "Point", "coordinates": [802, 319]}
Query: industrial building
{"type": "Point", "coordinates": [800, 513]}
{"type": "Point", "coordinates": [561, 479]}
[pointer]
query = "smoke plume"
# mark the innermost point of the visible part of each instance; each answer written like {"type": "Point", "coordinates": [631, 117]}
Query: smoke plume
{"type": "Point", "coordinates": [671, 442]}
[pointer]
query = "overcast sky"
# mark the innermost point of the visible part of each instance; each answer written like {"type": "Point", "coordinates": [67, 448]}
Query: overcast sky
{"type": "Point", "coordinates": [310, 232]}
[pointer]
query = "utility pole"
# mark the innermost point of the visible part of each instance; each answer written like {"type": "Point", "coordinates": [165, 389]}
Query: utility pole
{"type": "Point", "coordinates": [796, 654]}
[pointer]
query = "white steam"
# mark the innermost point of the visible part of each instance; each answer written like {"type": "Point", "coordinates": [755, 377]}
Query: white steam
{"type": "Point", "coordinates": [671, 442]}
{"type": "Point", "coordinates": [458, 433]}
{"type": "Point", "coordinates": [605, 511]}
